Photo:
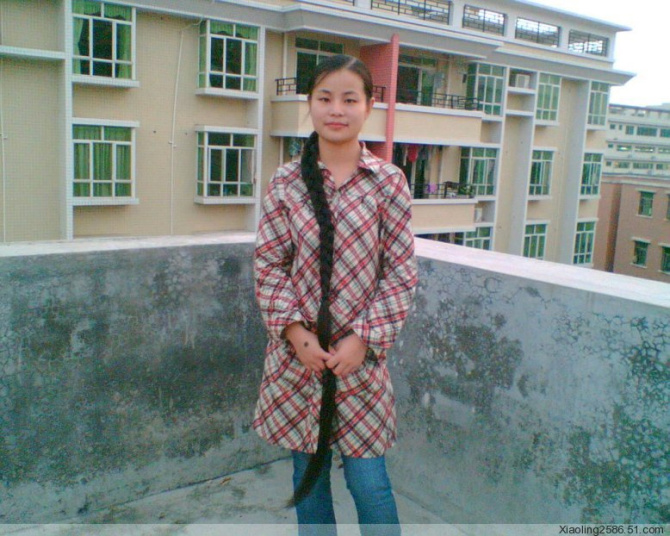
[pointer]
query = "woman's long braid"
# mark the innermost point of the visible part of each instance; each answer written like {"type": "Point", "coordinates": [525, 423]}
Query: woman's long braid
{"type": "Point", "coordinates": [311, 174]}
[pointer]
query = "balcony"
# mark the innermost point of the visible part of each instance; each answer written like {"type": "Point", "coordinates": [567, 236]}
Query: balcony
{"type": "Point", "coordinates": [430, 10]}
{"type": "Point", "coordinates": [527, 391]}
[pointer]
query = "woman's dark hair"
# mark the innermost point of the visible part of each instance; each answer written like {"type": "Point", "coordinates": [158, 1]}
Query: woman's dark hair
{"type": "Point", "coordinates": [311, 174]}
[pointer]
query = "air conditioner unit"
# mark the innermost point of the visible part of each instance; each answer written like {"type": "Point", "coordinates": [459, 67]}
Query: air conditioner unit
{"type": "Point", "coordinates": [521, 81]}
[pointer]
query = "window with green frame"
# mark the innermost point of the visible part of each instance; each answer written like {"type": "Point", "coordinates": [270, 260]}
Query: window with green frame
{"type": "Point", "coordinates": [584, 240]}
{"type": "Point", "coordinates": [225, 164]}
{"type": "Point", "coordinates": [228, 56]}
{"type": "Point", "coordinates": [598, 101]}
{"type": "Point", "coordinates": [640, 250]}
{"type": "Point", "coordinates": [477, 171]}
{"type": "Point", "coordinates": [540, 172]}
{"type": "Point", "coordinates": [591, 172]}
{"type": "Point", "coordinates": [478, 239]}
{"type": "Point", "coordinates": [646, 204]}
{"type": "Point", "coordinates": [311, 52]}
{"type": "Point", "coordinates": [487, 84]}
{"type": "Point", "coordinates": [102, 39]}
{"type": "Point", "coordinates": [548, 95]}
{"type": "Point", "coordinates": [665, 259]}
{"type": "Point", "coordinates": [535, 240]}
{"type": "Point", "coordinates": [102, 161]}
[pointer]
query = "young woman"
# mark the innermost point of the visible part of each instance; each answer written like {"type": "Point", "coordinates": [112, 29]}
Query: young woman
{"type": "Point", "coordinates": [335, 275]}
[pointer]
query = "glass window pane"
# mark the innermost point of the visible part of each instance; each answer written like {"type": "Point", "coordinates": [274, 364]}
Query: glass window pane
{"type": "Point", "coordinates": [233, 82]}
{"type": "Point", "coordinates": [116, 12]}
{"type": "Point", "coordinates": [250, 58]}
{"type": "Point", "coordinates": [247, 32]}
{"type": "Point", "coordinates": [247, 166]}
{"type": "Point", "coordinates": [87, 7]}
{"type": "Point", "coordinates": [233, 56]}
{"type": "Point", "coordinates": [232, 165]}
{"type": "Point", "coordinates": [123, 162]}
{"type": "Point", "coordinates": [82, 159]}
{"type": "Point", "coordinates": [218, 138]}
{"type": "Point", "coordinates": [216, 59]}
{"type": "Point", "coordinates": [249, 84]}
{"type": "Point", "coordinates": [86, 132]}
{"type": "Point", "coordinates": [123, 42]}
{"type": "Point", "coordinates": [102, 189]}
{"type": "Point", "coordinates": [221, 28]}
{"type": "Point", "coordinates": [122, 189]}
{"type": "Point", "coordinates": [118, 133]}
{"type": "Point", "coordinates": [102, 162]}
{"type": "Point", "coordinates": [215, 165]}
{"type": "Point", "coordinates": [214, 190]}
{"type": "Point", "coordinates": [102, 39]}
{"type": "Point", "coordinates": [243, 140]}
{"type": "Point", "coordinates": [81, 189]}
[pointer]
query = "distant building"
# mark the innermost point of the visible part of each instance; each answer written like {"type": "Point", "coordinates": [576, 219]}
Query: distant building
{"type": "Point", "coordinates": [156, 117]}
{"type": "Point", "coordinates": [634, 213]}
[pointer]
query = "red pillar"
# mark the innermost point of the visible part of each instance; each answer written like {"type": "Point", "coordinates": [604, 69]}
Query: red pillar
{"type": "Point", "coordinates": [382, 60]}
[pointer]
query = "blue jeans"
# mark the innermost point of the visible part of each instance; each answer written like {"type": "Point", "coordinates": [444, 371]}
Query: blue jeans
{"type": "Point", "coordinates": [370, 487]}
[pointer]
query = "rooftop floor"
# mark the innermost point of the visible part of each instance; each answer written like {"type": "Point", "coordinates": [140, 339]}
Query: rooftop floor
{"type": "Point", "coordinates": [247, 502]}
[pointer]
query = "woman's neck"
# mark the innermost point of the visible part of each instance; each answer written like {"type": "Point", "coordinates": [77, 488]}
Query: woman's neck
{"type": "Point", "coordinates": [341, 160]}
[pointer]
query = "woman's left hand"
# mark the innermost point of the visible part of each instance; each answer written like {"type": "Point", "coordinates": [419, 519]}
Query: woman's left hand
{"type": "Point", "coordinates": [348, 355]}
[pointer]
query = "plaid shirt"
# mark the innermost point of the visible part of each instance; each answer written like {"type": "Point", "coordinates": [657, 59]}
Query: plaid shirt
{"type": "Point", "coordinates": [373, 281]}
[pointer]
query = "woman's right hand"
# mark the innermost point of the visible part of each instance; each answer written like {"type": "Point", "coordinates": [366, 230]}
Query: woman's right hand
{"type": "Point", "coordinates": [307, 348]}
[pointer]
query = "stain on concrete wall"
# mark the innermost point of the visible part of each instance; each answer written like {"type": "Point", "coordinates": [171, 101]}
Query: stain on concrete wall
{"type": "Point", "coordinates": [525, 402]}
{"type": "Point", "coordinates": [124, 373]}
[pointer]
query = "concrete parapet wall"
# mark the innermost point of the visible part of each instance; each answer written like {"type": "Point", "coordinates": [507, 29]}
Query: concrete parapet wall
{"type": "Point", "coordinates": [528, 392]}
{"type": "Point", "coordinates": [533, 392]}
{"type": "Point", "coordinates": [127, 367]}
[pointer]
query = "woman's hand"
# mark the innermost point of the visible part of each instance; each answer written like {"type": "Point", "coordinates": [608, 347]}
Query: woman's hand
{"type": "Point", "coordinates": [347, 355]}
{"type": "Point", "coordinates": [307, 348]}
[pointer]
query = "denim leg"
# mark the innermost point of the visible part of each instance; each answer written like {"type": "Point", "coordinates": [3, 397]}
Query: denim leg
{"type": "Point", "coordinates": [370, 486]}
{"type": "Point", "coordinates": [316, 516]}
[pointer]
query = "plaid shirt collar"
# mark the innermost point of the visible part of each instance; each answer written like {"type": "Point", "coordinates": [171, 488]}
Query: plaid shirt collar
{"type": "Point", "coordinates": [367, 160]}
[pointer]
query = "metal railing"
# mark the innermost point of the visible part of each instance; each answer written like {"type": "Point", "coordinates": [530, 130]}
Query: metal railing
{"type": "Point", "coordinates": [437, 100]}
{"type": "Point", "coordinates": [432, 10]}
{"type": "Point", "coordinates": [443, 190]}
{"type": "Point", "coordinates": [290, 86]}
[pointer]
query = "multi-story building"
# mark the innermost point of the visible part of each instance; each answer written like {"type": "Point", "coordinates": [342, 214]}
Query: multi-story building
{"type": "Point", "coordinates": [152, 117]}
{"type": "Point", "coordinates": [634, 234]}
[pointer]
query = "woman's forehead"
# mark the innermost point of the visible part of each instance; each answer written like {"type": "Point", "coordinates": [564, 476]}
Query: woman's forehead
{"type": "Point", "coordinates": [342, 81]}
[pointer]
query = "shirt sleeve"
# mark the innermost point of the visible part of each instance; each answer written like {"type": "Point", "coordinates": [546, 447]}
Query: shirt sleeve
{"type": "Point", "coordinates": [273, 258]}
{"type": "Point", "coordinates": [380, 324]}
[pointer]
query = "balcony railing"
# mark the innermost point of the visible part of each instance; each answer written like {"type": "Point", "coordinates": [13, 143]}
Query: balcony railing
{"type": "Point", "coordinates": [432, 10]}
{"type": "Point", "coordinates": [443, 190]}
{"type": "Point", "coordinates": [289, 86]}
{"type": "Point", "coordinates": [437, 100]}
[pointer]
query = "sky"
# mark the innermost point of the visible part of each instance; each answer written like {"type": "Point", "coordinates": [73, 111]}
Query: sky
{"type": "Point", "coordinates": [643, 50]}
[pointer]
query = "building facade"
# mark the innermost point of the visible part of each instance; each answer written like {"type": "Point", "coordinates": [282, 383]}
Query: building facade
{"type": "Point", "coordinates": [634, 212]}
{"type": "Point", "coordinates": [158, 117]}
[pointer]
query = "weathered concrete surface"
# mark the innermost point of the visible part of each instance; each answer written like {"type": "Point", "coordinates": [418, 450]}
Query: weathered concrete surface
{"type": "Point", "coordinates": [528, 392]}
{"type": "Point", "coordinates": [523, 397]}
{"type": "Point", "coordinates": [124, 371]}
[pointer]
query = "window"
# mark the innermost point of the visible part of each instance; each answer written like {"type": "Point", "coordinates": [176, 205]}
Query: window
{"type": "Point", "coordinates": [624, 148]}
{"type": "Point", "coordinates": [479, 239]}
{"type": "Point", "coordinates": [484, 20]}
{"type": "Point", "coordinates": [664, 150]}
{"type": "Point", "coordinates": [622, 165]}
{"type": "Point", "coordinates": [103, 161]}
{"type": "Point", "coordinates": [585, 43]}
{"type": "Point", "coordinates": [630, 130]}
{"type": "Point", "coordinates": [644, 149]}
{"type": "Point", "coordinates": [548, 93]}
{"type": "Point", "coordinates": [537, 32]}
{"type": "Point", "coordinates": [598, 103]}
{"type": "Point", "coordinates": [591, 171]}
{"type": "Point", "coordinates": [534, 241]}
{"type": "Point", "coordinates": [478, 170]}
{"type": "Point", "coordinates": [432, 11]}
{"type": "Point", "coordinates": [486, 83]}
{"type": "Point", "coordinates": [540, 172]}
{"type": "Point", "coordinates": [647, 131]}
{"type": "Point", "coordinates": [310, 53]}
{"type": "Point", "coordinates": [640, 252]}
{"type": "Point", "coordinates": [643, 165]}
{"type": "Point", "coordinates": [646, 204]}
{"type": "Point", "coordinates": [416, 80]}
{"type": "Point", "coordinates": [225, 164]}
{"type": "Point", "coordinates": [665, 133]}
{"type": "Point", "coordinates": [228, 56]}
{"type": "Point", "coordinates": [665, 259]}
{"type": "Point", "coordinates": [103, 39]}
{"type": "Point", "coordinates": [667, 211]}
{"type": "Point", "coordinates": [584, 242]}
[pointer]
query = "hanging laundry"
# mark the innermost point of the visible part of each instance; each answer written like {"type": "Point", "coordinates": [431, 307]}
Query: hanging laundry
{"type": "Point", "coordinates": [413, 152]}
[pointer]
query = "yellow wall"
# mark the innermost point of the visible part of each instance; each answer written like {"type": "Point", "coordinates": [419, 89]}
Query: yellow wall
{"type": "Point", "coordinates": [162, 208]}
{"type": "Point", "coordinates": [31, 24]}
{"type": "Point", "coordinates": [33, 171]}
{"type": "Point", "coordinates": [442, 215]}
{"type": "Point", "coordinates": [436, 128]}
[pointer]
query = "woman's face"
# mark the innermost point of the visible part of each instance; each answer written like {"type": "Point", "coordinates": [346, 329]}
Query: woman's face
{"type": "Point", "coordinates": [339, 107]}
